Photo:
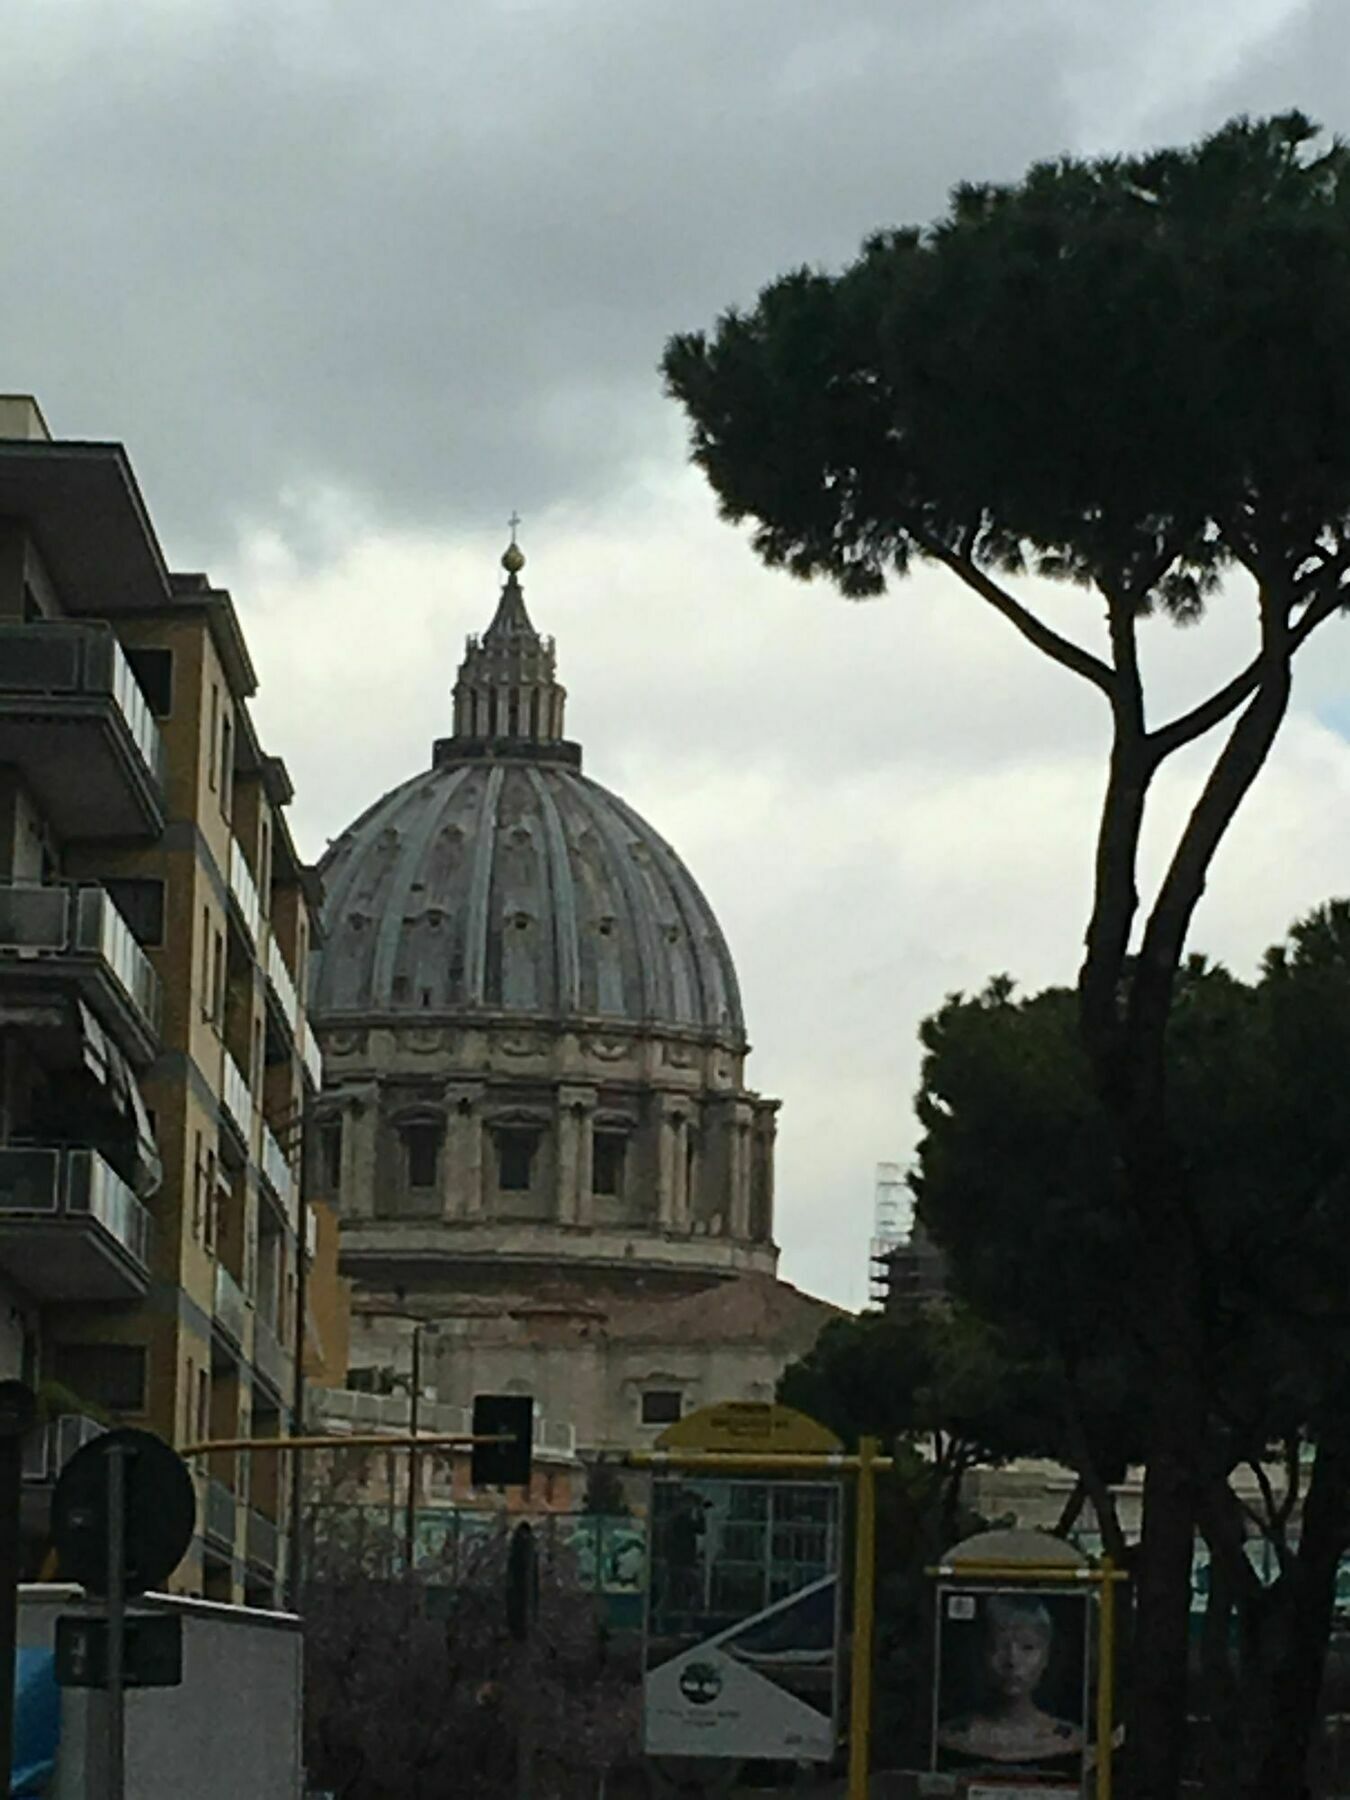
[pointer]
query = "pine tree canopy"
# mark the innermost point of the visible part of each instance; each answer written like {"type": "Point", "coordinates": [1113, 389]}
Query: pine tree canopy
{"type": "Point", "coordinates": [1132, 372]}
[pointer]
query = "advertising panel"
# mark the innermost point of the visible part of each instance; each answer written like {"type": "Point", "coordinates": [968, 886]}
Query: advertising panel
{"type": "Point", "coordinates": [742, 1618]}
{"type": "Point", "coordinates": [1012, 1686]}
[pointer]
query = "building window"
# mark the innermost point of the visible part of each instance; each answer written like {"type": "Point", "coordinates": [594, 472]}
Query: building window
{"type": "Point", "coordinates": [662, 1406]}
{"type": "Point", "coordinates": [515, 1160]}
{"type": "Point", "coordinates": [214, 749]}
{"type": "Point", "coordinates": [203, 1405]}
{"type": "Point", "coordinates": [226, 763]}
{"type": "Point", "coordinates": [198, 1186]}
{"type": "Point", "coordinates": [153, 670]}
{"type": "Point", "coordinates": [109, 1375]}
{"type": "Point", "coordinates": [330, 1155]}
{"type": "Point", "coordinates": [218, 982]}
{"type": "Point", "coordinates": [212, 1218]}
{"type": "Point", "coordinates": [607, 1159]}
{"type": "Point", "coordinates": [421, 1150]}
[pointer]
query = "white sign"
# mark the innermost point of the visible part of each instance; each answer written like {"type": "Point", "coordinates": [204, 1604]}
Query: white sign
{"type": "Point", "coordinates": [742, 1622]}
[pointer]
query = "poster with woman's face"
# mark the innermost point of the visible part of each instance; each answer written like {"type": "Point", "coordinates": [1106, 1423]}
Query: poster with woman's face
{"type": "Point", "coordinates": [1012, 1689]}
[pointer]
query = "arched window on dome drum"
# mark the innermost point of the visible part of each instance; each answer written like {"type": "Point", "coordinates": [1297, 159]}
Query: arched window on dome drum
{"type": "Point", "coordinates": [608, 1153]}
{"type": "Point", "coordinates": [421, 1153]}
{"type": "Point", "coordinates": [534, 713]}
{"type": "Point", "coordinates": [515, 1158]}
{"type": "Point", "coordinates": [513, 714]}
{"type": "Point", "coordinates": [492, 713]}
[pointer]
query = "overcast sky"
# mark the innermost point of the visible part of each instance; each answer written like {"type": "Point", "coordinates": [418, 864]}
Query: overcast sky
{"type": "Point", "coordinates": [352, 280]}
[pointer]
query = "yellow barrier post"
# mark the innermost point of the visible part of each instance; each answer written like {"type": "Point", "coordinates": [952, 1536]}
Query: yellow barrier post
{"type": "Point", "coordinates": [864, 1619]}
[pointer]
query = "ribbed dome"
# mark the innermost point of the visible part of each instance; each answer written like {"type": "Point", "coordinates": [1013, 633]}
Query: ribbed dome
{"type": "Point", "coordinates": [491, 885]}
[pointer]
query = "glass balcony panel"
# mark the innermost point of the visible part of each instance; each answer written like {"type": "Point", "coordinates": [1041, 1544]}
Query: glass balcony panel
{"type": "Point", "coordinates": [276, 1168]}
{"type": "Point", "coordinates": [136, 711]}
{"type": "Point", "coordinates": [102, 928]}
{"type": "Point", "coordinates": [30, 1180]}
{"type": "Point", "coordinates": [34, 918]}
{"type": "Point", "coordinates": [93, 1187]}
{"type": "Point", "coordinates": [231, 1307]}
{"type": "Point", "coordinates": [220, 1511]}
{"type": "Point", "coordinates": [309, 1051]}
{"type": "Point", "coordinates": [234, 1091]}
{"type": "Point", "coordinates": [244, 889]}
{"type": "Point", "coordinates": [282, 985]}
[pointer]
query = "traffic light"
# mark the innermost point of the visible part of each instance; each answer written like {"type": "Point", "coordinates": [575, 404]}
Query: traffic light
{"type": "Point", "coordinates": [509, 1416]}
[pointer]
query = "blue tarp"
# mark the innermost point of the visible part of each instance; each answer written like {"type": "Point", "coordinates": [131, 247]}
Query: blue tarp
{"type": "Point", "coordinates": [37, 1724]}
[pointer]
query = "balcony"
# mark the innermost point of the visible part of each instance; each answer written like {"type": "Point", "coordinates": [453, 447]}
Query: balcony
{"type": "Point", "coordinates": [231, 1318]}
{"type": "Point", "coordinates": [261, 1538]}
{"type": "Point", "coordinates": [70, 1227]}
{"type": "Point", "coordinates": [46, 1452]}
{"type": "Point", "coordinates": [276, 1170]}
{"type": "Point", "coordinates": [237, 1098]}
{"type": "Point", "coordinates": [280, 987]}
{"type": "Point", "coordinates": [309, 1052]}
{"type": "Point", "coordinates": [220, 1510]}
{"type": "Point", "coordinates": [77, 937]}
{"type": "Point", "coordinates": [73, 720]}
{"type": "Point", "coordinates": [270, 1360]}
{"type": "Point", "coordinates": [244, 892]}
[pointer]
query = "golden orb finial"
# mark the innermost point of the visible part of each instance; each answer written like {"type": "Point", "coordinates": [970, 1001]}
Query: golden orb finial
{"type": "Point", "coordinates": [513, 557]}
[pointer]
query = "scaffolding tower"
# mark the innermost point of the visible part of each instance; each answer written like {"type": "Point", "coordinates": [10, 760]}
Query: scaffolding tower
{"type": "Point", "coordinates": [892, 1217]}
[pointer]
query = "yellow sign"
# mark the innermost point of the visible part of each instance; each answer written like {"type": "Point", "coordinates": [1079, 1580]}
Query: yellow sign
{"type": "Point", "coordinates": [749, 1426]}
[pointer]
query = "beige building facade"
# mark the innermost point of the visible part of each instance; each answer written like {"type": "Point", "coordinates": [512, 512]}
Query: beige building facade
{"type": "Point", "coordinates": [536, 1124]}
{"type": "Point", "coordinates": [155, 1055]}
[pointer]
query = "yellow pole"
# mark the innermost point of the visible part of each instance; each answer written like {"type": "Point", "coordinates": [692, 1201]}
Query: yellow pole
{"type": "Point", "coordinates": [1106, 1677]}
{"type": "Point", "coordinates": [864, 1616]}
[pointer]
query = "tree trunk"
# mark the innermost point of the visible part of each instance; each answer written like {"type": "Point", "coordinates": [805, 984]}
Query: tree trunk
{"type": "Point", "coordinates": [1297, 1670]}
{"type": "Point", "coordinates": [1219, 1742]}
{"type": "Point", "coordinates": [1157, 1730]}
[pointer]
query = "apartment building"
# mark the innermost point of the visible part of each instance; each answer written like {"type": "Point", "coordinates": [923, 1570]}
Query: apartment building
{"type": "Point", "coordinates": [155, 1058]}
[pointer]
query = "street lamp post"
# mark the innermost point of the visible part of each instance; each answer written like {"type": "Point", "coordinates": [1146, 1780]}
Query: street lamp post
{"type": "Point", "coordinates": [414, 1402]}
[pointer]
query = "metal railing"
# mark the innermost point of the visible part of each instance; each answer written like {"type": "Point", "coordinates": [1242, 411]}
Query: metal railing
{"type": "Point", "coordinates": [231, 1306]}
{"type": "Point", "coordinates": [65, 658]}
{"type": "Point", "coordinates": [276, 1168]}
{"type": "Point", "coordinates": [56, 920]}
{"type": "Point", "coordinates": [75, 1183]}
{"type": "Point", "coordinates": [236, 1095]}
{"type": "Point", "coordinates": [244, 889]}
{"type": "Point", "coordinates": [282, 985]}
{"type": "Point", "coordinates": [309, 1052]}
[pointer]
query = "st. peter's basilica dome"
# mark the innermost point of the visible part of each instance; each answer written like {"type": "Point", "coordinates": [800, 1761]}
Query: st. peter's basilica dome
{"type": "Point", "coordinates": [533, 1042]}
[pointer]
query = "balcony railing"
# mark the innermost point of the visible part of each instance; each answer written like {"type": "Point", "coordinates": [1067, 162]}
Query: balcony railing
{"type": "Point", "coordinates": [282, 985]}
{"type": "Point", "coordinates": [52, 1185]}
{"type": "Point", "coordinates": [46, 1452]}
{"type": "Point", "coordinates": [99, 926]}
{"type": "Point", "coordinates": [260, 1539]}
{"type": "Point", "coordinates": [234, 1091]}
{"type": "Point", "coordinates": [62, 658]}
{"type": "Point", "coordinates": [56, 921]}
{"type": "Point", "coordinates": [220, 1505]}
{"type": "Point", "coordinates": [276, 1168]}
{"type": "Point", "coordinates": [244, 890]}
{"type": "Point", "coordinates": [34, 919]}
{"type": "Point", "coordinates": [231, 1306]}
{"type": "Point", "coordinates": [96, 1189]}
{"type": "Point", "coordinates": [268, 1355]}
{"type": "Point", "coordinates": [309, 1051]}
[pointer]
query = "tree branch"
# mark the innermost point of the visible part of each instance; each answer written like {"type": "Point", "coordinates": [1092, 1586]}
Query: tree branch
{"type": "Point", "coordinates": [1203, 717]}
{"type": "Point", "coordinates": [1048, 641]}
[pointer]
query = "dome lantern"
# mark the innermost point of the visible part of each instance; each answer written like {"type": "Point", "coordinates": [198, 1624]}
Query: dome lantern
{"type": "Point", "coordinates": [508, 699]}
